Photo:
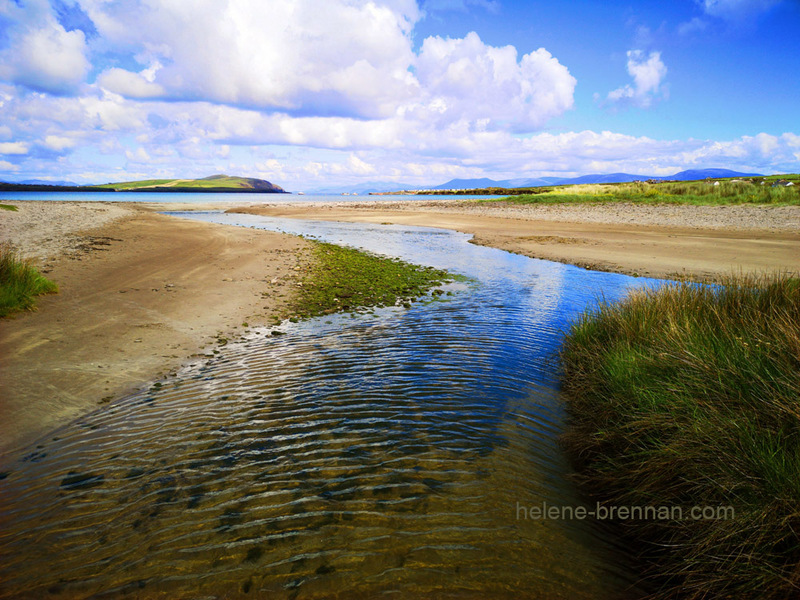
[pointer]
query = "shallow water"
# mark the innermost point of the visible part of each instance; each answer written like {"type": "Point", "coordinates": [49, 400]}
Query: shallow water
{"type": "Point", "coordinates": [391, 454]}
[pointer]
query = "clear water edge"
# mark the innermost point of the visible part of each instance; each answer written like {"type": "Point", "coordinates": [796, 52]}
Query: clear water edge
{"type": "Point", "coordinates": [352, 457]}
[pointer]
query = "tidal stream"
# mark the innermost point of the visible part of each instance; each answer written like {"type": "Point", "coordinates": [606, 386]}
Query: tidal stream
{"type": "Point", "coordinates": [394, 454]}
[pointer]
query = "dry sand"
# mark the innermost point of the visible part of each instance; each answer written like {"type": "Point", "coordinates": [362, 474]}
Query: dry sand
{"type": "Point", "coordinates": [142, 292]}
{"type": "Point", "coordinates": [138, 296]}
{"type": "Point", "coordinates": [672, 241]}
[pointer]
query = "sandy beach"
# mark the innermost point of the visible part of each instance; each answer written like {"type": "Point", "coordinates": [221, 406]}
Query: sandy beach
{"type": "Point", "coordinates": [664, 241]}
{"type": "Point", "coordinates": [141, 293]}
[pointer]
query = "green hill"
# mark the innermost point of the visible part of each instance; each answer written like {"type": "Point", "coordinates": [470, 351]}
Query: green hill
{"type": "Point", "coordinates": [215, 183]}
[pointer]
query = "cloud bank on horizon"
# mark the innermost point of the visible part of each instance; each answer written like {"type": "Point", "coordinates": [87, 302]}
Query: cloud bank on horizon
{"type": "Point", "coordinates": [306, 93]}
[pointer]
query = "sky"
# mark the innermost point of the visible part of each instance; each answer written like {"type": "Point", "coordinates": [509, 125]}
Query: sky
{"type": "Point", "coordinates": [322, 93]}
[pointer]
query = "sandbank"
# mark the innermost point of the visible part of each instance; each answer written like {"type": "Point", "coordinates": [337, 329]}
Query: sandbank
{"type": "Point", "coordinates": [663, 241]}
{"type": "Point", "coordinates": [140, 293]}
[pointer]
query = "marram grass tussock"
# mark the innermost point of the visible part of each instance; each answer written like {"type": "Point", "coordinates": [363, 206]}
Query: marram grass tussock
{"type": "Point", "coordinates": [690, 395]}
{"type": "Point", "coordinates": [683, 192]}
{"type": "Point", "coordinates": [20, 283]}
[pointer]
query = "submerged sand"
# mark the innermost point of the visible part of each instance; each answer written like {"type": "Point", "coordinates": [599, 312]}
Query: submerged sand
{"type": "Point", "coordinates": [140, 292]}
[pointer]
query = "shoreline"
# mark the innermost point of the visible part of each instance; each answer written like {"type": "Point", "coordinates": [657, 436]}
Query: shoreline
{"type": "Point", "coordinates": [700, 243]}
{"type": "Point", "coordinates": [141, 292]}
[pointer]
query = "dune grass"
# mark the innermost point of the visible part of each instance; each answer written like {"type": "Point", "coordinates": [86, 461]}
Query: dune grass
{"type": "Point", "coordinates": [20, 283]}
{"type": "Point", "coordinates": [690, 396]}
{"type": "Point", "coordinates": [345, 279]}
{"type": "Point", "coordinates": [9, 207]}
{"type": "Point", "coordinates": [681, 192]}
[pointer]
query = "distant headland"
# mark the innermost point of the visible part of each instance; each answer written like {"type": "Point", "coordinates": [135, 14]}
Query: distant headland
{"type": "Point", "coordinates": [213, 184]}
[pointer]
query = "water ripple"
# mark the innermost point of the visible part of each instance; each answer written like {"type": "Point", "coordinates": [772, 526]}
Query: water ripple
{"type": "Point", "coordinates": [389, 456]}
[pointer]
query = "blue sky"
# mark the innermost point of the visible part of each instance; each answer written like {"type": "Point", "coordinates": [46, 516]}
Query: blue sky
{"type": "Point", "coordinates": [313, 93]}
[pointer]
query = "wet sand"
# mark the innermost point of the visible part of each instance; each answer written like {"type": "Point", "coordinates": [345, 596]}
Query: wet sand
{"type": "Point", "coordinates": [663, 241]}
{"type": "Point", "coordinates": [142, 292]}
{"type": "Point", "coordinates": [139, 295]}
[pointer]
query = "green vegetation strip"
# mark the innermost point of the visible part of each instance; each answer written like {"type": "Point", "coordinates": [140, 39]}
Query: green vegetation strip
{"type": "Point", "coordinates": [134, 184]}
{"type": "Point", "coordinates": [218, 182]}
{"type": "Point", "coordinates": [10, 207]}
{"type": "Point", "coordinates": [20, 283]}
{"type": "Point", "coordinates": [690, 396]}
{"type": "Point", "coordinates": [344, 279]}
{"type": "Point", "coordinates": [694, 192]}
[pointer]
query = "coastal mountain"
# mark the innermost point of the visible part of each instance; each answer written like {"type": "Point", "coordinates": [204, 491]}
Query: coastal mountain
{"type": "Point", "coordinates": [526, 182]}
{"type": "Point", "coordinates": [690, 175]}
{"type": "Point", "coordinates": [458, 184]}
{"type": "Point", "coordinates": [694, 175]}
{"type": "Point", "coordinates": [48, 182]}
{"type": "Point", "coordinates": [367, 187]}
{"type": "Point", "coordinates": [463, 184]}
{"type": "Point", "coordinates": [214, 183]}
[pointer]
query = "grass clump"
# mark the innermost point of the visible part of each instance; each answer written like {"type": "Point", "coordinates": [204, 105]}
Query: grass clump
{"type": "Point", "coordinates": [345, 279]}
{"type": "Point", "coordinates": [20, 283]}
{"type": "Point", "coordinates": [679, 192]}
{"type": "Point", "coordinates": [690, 396]}
{"type": "Point", "coordinates": [9, 207]}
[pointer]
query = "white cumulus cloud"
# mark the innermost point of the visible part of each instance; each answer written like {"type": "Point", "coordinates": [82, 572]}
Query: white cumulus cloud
{"type": "Point", "coordinates": [341, 58]}
{"type": "Point", "coordinates": [346, 57]}
{"type": "Point", "coordinates": [339, 90]}
{"type": "Point", "coordinates": [139, 156]}
{"type": "Point", "coordinates": [648, 74]}
{"type": "Point", "coordinates": [59, 143]}
{"type": "Point", "coordinates": [465, 79]}
{"type": "Point", "coordinates": [41, 54]}
{"type": "Point", "coordinates": [130, 85]}
{"type": "Point", "coordinates": [13, 148]}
